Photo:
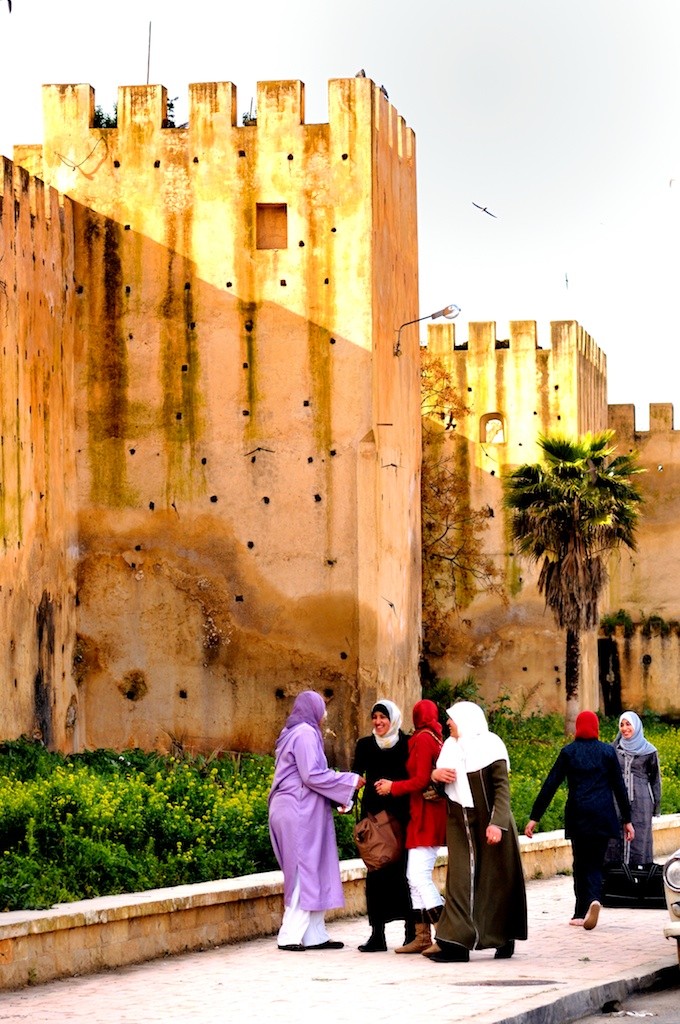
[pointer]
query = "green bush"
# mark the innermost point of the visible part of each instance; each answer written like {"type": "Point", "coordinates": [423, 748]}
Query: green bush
{"type": "Point", "coordinates": [91, 824]}
{"type": "Point", "coordinates": [101, 822]}
{"type": "Point", "coordinates": [608, 623]}
{"type": "Point", "coordinates": [655, 625]}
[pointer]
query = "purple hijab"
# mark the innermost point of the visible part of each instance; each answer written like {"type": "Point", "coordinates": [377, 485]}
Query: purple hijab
{"type": "Point", "coordinates": [310, 708]}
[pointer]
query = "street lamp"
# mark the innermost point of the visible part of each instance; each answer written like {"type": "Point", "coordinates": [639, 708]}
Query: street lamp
{"type": "Point", "coordinates": [450, 312]}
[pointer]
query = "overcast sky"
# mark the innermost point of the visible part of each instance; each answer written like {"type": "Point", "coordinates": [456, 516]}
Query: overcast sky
{"type": "Point", "coordinates": [562, 118]}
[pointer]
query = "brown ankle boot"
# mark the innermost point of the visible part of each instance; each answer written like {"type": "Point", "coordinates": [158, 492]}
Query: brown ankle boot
{"type": "Point", "coordinates": [422, 940]}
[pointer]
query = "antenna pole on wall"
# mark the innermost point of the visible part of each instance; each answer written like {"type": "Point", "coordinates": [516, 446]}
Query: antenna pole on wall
{"type": "Point", "coordinates": [148, 57]}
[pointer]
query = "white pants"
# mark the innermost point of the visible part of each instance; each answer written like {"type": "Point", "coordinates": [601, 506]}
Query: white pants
{"type": "Point", "coordinates": [301, 927]}
{"type": "Point", "coordinates": [419, 868]}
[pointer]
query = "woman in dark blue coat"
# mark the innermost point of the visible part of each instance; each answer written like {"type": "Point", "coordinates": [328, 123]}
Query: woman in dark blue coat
{"type": "Point", "coordinates": [594, 779]}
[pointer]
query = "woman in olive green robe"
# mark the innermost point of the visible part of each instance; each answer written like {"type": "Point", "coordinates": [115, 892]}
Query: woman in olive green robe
{"type": "Point", "coordinates": [485, 895]}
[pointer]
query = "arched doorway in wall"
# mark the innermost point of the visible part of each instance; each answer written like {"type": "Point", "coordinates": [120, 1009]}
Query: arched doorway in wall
{"type": "Point", "coordinates": [492, 428]}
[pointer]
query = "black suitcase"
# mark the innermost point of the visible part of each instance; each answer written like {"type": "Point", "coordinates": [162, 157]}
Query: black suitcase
{"type": "Point", "coordinates": [640, 886]}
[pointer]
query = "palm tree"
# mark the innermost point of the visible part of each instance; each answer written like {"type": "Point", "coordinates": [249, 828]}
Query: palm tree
{"type": "Point", "coordinates": [569, 513]}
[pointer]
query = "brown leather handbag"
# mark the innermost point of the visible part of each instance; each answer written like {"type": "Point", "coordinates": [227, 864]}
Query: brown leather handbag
{"type": "Point", "coordinates": [379, 839]}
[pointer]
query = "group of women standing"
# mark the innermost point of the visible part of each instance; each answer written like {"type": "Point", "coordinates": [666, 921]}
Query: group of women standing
{"type": "Point", "coordinates": [484, 904]}
{"type": "Point", "coordinates": [454, 792]}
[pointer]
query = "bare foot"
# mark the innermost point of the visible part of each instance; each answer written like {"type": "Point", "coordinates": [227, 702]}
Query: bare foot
{"type": "Point", "coordinates": [577, 922]}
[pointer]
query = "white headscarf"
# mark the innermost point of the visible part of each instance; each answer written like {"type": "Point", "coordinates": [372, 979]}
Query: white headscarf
{"type": "Point", "coordinates": [394, 715]}
{"type": "Point", "coordinates": [451, 756]}
{"type": "Point", "coordinates": [474, 749]}
{"type": "Point", "coordinates": [480, 747]}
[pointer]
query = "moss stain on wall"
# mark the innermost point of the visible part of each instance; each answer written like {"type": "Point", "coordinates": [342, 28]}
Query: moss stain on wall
{"type": "Point", "coordinates": [248, 326]}
{"type": "Point", "coordinates": [180, 365]}
{"type": "Point", "coordinates": [320, 297]}
{"type": "Point", "coordinates": [3, 521]}
{"type": "Point", "coordinates": [107, 370]}
{"type": "Point", "coordinates": [242, 255]}
{"type": "Point", "coordinates": [465, 583]}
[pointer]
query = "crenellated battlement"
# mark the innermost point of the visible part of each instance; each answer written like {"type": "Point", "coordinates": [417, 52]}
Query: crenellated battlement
{"type": "Point", "coordinates": [528, 389]}
{"type": "Point", "coordinates": [483, 341]}
{"type": "Point", "coordinates": [357, 108]}
{"type": "Point", "coordinates": [622, 420]}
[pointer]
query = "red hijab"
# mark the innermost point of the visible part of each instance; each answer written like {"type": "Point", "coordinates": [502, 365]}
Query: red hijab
{"type": "Point", "coordinates": [587, 726]}
{"type": "Point", "coordinates": [426, 716]}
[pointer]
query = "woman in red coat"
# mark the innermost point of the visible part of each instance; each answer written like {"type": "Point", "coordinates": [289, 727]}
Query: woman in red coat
{"type": "Point", "coordinates": [426, 830]}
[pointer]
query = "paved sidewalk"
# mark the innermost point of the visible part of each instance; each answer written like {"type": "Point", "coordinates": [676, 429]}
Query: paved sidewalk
{"type": "Point", "coordinates": [559, 974]}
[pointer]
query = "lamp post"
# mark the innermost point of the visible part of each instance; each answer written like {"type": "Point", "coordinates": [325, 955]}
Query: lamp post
{"type": "Point", "coordinates": [450, 312]}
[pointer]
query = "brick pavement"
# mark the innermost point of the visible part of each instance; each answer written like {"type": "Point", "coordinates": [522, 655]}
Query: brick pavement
{"type": "Point", "coordinates": [559, 974]}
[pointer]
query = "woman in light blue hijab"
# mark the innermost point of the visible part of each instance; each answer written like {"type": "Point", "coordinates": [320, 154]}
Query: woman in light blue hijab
{"type": "Point", "coordinates": [639, 762]}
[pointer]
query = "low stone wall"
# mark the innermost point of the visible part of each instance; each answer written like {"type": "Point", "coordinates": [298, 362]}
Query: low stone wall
{"type": "Point", "coordinates": [94, 935]}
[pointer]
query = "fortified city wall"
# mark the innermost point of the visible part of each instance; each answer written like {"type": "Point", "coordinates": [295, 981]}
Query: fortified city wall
{"type": "Point", "coordinates": [517, 390]}
{"type": "Point", "coordinates": [209, 467]}
{"type": "Point", "coordinates": [247, 444]}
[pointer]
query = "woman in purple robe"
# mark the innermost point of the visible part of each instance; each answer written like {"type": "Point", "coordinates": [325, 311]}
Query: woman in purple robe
{"type": "Point", "coordinates": [304, 791]}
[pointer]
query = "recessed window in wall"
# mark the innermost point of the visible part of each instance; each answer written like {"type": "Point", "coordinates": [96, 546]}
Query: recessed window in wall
{"type": "Point", "coordinates": [492, 429]}
{"type": "Point", "coordinates": [272, 226]}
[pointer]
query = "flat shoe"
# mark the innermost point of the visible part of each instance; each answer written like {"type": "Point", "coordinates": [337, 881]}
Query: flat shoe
{"type": "Point", "coordinates": [294, 947]}
{"type": "Point", "coordinates": [505, 951]}
{"type": "Point", "coordinates": [328, 944]}
{"type": "Point", "coordinates": [590, 920]}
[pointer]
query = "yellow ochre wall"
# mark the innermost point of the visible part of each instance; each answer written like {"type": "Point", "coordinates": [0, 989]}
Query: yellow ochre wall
{"type": "Point", "coordinates": [37, 467]}
{"type": "Point", "coordinates": [645, 584]}
{"type": "Point", "coordinates": [247, 443]}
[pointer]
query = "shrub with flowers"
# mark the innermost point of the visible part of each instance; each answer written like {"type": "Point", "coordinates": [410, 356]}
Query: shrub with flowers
{"type": "Point", "coordinates": [101, 822]}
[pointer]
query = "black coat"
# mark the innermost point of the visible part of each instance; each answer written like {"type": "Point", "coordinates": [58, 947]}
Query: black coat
{"type": "Point", "coordinates": [375, 763]}
{"type": "Point", "coordinates": [387, 892]}
{"type": "Point", "coordinates": [594, 779]}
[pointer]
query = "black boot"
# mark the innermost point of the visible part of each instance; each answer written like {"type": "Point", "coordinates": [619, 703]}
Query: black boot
{"type": "Point", "coordinates": [410, 926]}
{"type": "Point", "coordinates": [432, 914]}
{"type": "Point", "coordinates": [376, 942]}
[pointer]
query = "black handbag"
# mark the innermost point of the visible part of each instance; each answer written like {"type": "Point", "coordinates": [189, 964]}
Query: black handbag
{"type": "Point", "coordinates": [433, 793]}
{"type": "Point", "coordinates": [637, 887]}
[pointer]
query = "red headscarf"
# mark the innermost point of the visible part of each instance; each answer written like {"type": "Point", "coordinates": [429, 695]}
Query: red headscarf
{"type": "Point", "coordinates": [426, 716]}
{"type": "Point", "coordinates": [587, 726]}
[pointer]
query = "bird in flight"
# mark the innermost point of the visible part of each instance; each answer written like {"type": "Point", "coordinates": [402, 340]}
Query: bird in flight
{"type": "Point", "coordinates": [484, 210]}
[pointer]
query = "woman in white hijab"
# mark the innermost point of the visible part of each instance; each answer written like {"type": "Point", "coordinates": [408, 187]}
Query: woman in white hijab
{"type": "Point", "coordinates": [485, 896]}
